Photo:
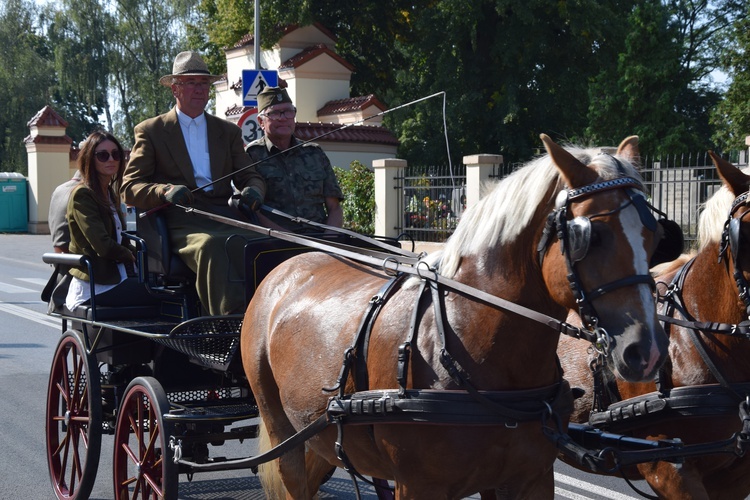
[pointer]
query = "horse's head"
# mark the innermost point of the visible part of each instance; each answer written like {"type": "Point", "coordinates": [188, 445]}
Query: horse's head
{"type": "Point", "coordinates": [735, 227]}
{"type": "Point", "coordinates": [595, 253]}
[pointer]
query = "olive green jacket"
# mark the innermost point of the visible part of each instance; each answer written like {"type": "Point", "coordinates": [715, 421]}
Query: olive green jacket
{"type": "Point", "coordinates": [93, 233]}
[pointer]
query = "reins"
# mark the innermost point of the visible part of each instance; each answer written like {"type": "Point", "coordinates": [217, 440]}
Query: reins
{"type": "Point", "coordinates": [468, 405]}
{"type": "Point", "coordinates": [392, 265]}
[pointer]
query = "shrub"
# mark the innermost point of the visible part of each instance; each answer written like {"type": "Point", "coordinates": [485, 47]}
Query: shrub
{"type": "Point", "coordinates": [358, 186]}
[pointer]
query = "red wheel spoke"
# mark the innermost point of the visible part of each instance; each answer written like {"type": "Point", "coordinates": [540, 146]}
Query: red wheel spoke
{"type": "Point", "coordinates": [139, 438]}
{"type": "Point", "coordinates": [73, 420]}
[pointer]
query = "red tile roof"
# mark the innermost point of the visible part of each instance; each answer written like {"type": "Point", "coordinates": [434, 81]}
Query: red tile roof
{"type": "Point", "coordinates": [311, 53]}
{"type": "Point", "coordinates": [47, 117]}
{"type": "Point", "coordinates": [322, 132]}
{"type": "Point", "coordinates": [350, 104]}
{"type": "Point", "coordinates": [237, 110]}
{"type": "Point", "coordinates": [306, 131]}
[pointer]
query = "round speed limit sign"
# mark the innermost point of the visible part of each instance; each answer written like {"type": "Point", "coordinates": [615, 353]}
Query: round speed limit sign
{"type": "Point", "coordinates": [249, 124]}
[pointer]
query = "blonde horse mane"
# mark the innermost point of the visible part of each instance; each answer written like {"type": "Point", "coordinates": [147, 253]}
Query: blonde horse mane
{"type": "Point", "coordinates": [713, 215]}
{"type": "Point", "coordinates": [509, 205]}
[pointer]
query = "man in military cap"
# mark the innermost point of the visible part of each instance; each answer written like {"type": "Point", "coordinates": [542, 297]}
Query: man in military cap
{"type": "Point", "coordinates": [185, 157]}
{"type": "Point", "coordinates": [299, 177]}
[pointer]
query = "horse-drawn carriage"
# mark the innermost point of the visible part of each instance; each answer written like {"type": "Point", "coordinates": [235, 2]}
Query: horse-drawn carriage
{"type": "Point", "coordinates": [364, 360]}
{"type": "Point", "coordinates": [164, 380]}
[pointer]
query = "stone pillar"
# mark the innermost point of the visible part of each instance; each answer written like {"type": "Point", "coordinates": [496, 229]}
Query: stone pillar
{"type": "Point", "coordinates": [478, 171]}
{"type": "Point", "coordinates": [49, 164]}
{"type": "Point", "coordinates": [386, 197]}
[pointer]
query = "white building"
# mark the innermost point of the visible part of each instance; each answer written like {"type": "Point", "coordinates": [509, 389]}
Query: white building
{"type": "Point", "coordinates": [318, 81]}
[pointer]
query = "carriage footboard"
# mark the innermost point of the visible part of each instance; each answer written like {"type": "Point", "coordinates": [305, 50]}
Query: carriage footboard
{"type": "Point", "coordinates": [212, 341]}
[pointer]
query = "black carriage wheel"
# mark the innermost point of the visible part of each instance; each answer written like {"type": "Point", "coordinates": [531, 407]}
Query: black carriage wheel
{"type": "Point", "coordinates": [143, 466]}
{"type": "Point", "coordinates": [73, 423]}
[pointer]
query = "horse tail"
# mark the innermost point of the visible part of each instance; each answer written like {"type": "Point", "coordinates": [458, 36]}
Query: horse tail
{"type": "Point", "coordinates": [270, 477]}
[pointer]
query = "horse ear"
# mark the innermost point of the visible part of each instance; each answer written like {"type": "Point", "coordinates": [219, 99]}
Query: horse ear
{"type": "Point", "coordinates": [575, 173]}
{"type": "Point", "coordinates": [629, 149]}
{"type": "Point", "coordinates": [734, 178]}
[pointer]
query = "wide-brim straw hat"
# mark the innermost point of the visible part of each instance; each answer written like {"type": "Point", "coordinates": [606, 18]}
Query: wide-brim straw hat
{"type": "Point", "coordinates": [188, 64]}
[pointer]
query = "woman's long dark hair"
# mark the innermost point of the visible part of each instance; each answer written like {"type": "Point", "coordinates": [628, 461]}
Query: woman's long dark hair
{"type": "Point", "coordinates": [87, 166]}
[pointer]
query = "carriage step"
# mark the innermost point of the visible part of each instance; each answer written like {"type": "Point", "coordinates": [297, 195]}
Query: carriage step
{"type": "Point", "coordinates": [218, 412]}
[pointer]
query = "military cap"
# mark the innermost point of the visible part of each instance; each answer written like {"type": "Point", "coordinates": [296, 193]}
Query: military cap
{"type": "Point", "coordinates": [270, 96]}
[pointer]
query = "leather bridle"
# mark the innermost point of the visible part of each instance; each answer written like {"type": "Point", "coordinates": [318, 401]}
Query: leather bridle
{"type": "Point", "coordinates": [574, 234]}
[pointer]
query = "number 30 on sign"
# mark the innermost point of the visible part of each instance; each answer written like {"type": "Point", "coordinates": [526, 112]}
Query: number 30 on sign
{"type": "Point", "coordinates": [249, 124]}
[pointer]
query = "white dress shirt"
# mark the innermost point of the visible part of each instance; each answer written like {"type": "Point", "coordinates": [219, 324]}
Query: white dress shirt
{"type": "Point", "coordinates": [195, 132]}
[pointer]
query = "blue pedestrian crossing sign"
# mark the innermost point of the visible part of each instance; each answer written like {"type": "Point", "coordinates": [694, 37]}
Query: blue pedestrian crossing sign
{"type": "Point", "coordinates": [254, 81]}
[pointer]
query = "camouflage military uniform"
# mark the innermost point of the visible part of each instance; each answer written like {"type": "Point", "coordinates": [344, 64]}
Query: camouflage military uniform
{"type": "Point", "coordinates": [297, 181]}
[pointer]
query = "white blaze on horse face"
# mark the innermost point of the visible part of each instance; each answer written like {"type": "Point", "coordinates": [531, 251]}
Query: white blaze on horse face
{"type": "Point", "coordinates": [633, 229]}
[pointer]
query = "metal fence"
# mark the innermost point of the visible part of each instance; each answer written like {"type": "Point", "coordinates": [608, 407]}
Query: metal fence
{"type": "Point", "coordinates": [433, 198]}
{"type": "Point", "coordinates": [680, 184]}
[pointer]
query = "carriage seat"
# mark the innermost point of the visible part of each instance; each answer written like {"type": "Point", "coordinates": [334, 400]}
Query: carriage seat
{"type": "Point", "coordinates": [161, 260]}
{"type": "Point", "coordinates": [110, 313]}
{"type": "Point", "coordinates": [91, 312]}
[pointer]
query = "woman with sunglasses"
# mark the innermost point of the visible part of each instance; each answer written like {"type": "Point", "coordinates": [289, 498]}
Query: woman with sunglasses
{"type": "Point", "coordinates": [96, 223]}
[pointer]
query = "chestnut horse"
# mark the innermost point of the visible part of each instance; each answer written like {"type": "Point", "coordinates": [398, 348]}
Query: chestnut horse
{"type": "Point", "coordinates": [695, 290]}
{"type": "Point", "coordinates": [572, 217]}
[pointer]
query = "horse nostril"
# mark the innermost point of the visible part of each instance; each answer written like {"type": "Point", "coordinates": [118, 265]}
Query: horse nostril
{"type": "Point", "coordinates": [634, 357]}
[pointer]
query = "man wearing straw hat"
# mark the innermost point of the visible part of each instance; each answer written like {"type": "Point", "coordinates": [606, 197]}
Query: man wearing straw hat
{"type": "Point", "coordinates": [181, 151]}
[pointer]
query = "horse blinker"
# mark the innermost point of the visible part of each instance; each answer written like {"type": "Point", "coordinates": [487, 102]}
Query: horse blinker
{"type": "Point", "coordinates": [579, 238]}
{"type": "Point", "coordinates": [671, 242]}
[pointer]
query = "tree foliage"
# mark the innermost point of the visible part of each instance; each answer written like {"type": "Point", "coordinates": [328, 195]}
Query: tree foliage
{"type": "Point", "coordinates": [79, 35]}
{"type": "Point", "coordinates": [500, 71]}
{"type": "Point", "coordinates": [587, 71]}
{"type": "Point", "coordinates": [147, 35]}
{"type": "Point", "coordinates": [358, 186]}
{"type": "Point", "coordinates": [26, 78]}
{"type": "Point", "coordinates": [731, 118]}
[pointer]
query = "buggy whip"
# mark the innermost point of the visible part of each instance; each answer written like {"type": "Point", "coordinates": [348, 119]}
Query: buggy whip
{"type": "Point", "coordinates": [302, 143]}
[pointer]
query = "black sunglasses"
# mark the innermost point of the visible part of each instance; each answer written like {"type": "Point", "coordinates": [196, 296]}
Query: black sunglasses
{"type": "Point", "coordinates": [103, 156]}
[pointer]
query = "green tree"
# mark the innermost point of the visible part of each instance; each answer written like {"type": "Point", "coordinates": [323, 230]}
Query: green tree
{"type": "Point", "coordinates": [731, 117]}
{"type": "Point", "coordinates": [633, 98]}
{"type": "Point", "coordinates": [586, 71]}
{"type": "Point", "coordinates": [220, 23]}
{"type": "Point", "coordinates": [79, 33]}
{"type": "Point", "coordinates": [511, 70]}
{"type": "Point", "coordinates": [26, 76]}
{"type": "Point", "coordinates": [147, 35]}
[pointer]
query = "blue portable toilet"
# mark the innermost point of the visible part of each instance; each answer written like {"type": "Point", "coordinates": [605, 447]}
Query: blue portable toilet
{"type": "Point", "coordinates": [14, 207]}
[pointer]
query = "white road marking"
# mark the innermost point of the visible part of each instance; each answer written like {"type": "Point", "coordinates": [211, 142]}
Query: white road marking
{"type": "Point", "coordinates": [591, 488]}
{"type": "Point", "coordinates": [8, 288]}
{"type": "Point", "coordinates": [34, 316]}
{"type": "Point", "coordinates": [559, 492]}
{"type": "Point", "coordinates": [34, 281]}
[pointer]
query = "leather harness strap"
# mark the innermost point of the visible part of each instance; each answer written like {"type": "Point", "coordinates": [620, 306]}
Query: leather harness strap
{"type": "Point", "coordinates": [392, 265]}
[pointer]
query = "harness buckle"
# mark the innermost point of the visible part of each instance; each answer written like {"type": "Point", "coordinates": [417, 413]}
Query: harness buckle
{"type": "Point", "coordinates": [603, 341]}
